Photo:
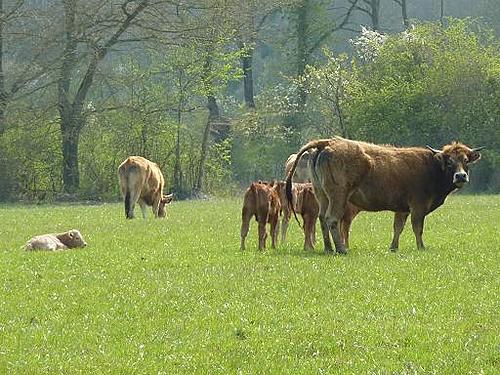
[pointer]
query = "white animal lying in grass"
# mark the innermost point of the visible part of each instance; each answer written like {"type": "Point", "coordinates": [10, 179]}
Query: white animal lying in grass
{"type": "Point", "coordinates": [66, 240]}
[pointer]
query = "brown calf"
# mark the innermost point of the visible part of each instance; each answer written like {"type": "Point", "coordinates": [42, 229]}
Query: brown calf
{"type": "Point", "coordinates": [142, 181]}
{"type": "Point", "coordinates": [406, 181]}
{"type": "Point", "coordinates": [66, 240]}
{"type": "Point", "coordinates": [305, 203]}
{"type": "Point", "coordinates": [262, 201]}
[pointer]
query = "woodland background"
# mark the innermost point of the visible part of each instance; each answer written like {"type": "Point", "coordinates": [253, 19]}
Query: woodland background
{"type": "Point", "coordinates": [219, 93]}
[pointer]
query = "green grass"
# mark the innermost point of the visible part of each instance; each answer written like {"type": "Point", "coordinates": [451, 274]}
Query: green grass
{"type": "Point", "coordinates": [177, 295]}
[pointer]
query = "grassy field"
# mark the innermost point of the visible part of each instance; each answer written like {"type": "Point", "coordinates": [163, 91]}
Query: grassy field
{"type": "Point", "coordinates": [177, 295]}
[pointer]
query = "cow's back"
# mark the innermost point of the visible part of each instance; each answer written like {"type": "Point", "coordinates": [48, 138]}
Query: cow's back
{"type": "Point", "coordinates": [385, 177]}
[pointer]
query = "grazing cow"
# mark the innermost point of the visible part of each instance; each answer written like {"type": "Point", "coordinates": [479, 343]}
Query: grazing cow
{"type": "Point", "coordinates": [262, 201]}
{"type": "Point", "coordinates": [142, 181]}
{"type": "Point", "coordinates": [66, 240]}
{"type": "Point", "coordinates": [406, 181]}
{"type": "Point", "coordinates": [302, 171]}
{"type": "Point", "coordinates": [305, 203]}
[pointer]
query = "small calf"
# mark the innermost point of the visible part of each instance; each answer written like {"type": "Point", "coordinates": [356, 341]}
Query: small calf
{"type": "Point", "coordinates": [66, 240]}
{"type": "Point", "coordinates": [262, 201]}
{"type": "Point", "coordinates": [305, 204]}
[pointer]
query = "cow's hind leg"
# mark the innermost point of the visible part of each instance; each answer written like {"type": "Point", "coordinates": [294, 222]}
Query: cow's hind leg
{"type": "Point", "coordinates": [399, 224]}
{"type": "Point", "coordinates": [334, 214]}
{"type": "Point", "coordinates": [245, 225]}
{"type": "Point", "coordinates": [143, 206]}
{"type": "Point", "coordinates": [131, 198]}
{"type": "Point", "coordinates": [323, 205]}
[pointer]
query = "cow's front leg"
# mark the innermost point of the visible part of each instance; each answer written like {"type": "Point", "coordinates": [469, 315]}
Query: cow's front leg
{"type": "Point", "coordinates": [399, 224]}
{"type": "Point", "coordinates": [417, 222]}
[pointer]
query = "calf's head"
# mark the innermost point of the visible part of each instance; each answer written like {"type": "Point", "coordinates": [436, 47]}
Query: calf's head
{"type": "Point", "coordinates": [72, 238]}
{"type": "Point", "coordinates": [455, 159]}
{"type": "Point", "coordinates": [166, 199]}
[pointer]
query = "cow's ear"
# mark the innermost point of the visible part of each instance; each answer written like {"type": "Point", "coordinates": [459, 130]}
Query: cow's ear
{"type": "Point", "coordinates": [442, 158]}
{"type": "Point", "coordinates": [474, 156]}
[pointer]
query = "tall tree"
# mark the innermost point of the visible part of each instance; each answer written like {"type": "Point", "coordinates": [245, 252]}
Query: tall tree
{"type": "Point", "coordinates": [73, 89]}
{"type": "Point", "coordinates": [404, 12]}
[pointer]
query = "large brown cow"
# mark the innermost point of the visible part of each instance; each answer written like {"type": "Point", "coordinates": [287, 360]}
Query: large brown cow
{"type": "Point", "coordinates": [302, 173]}
{"type": "Point", "coordinates": [406, 181]}
{"type": "Point", "coordinates": [142, 181]}
{"type": "Point", "coordinates": [262, 201]}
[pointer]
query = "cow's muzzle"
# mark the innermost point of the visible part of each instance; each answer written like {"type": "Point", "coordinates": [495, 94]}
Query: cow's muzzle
{"type": "Point", "coordinates": [460, 178]}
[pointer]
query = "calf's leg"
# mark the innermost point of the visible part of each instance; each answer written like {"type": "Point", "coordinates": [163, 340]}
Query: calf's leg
{"type": "Point", "coordinates": [274, 229]}
{"type": "Point", "coordinates": [309, 223]}
{"type": "Point", "coordinates": [245, 225]}
{"type": "Point", "coordinates": [284, 223]}
{"type": "Point", "coordinates": [262, 233]}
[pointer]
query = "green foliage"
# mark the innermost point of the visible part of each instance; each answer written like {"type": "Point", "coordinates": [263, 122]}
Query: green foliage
{"type": "Point", "coordinates": [259, 146]}
{"type": "Point", "coordinates": [29, 159]}
{"type": "Point", "coordinates": [177, 296]}
{"type": "Point", "coordinates": [429, 85]}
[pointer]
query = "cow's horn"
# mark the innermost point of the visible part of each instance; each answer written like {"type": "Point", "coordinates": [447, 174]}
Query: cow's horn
{"type": "Point", "coordinates": [432, 149]}
{"type": "Point", "coordinates": [478, 148]}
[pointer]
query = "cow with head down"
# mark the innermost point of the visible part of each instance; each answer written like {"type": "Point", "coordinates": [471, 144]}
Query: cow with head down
{"type": "Point", "coordinates": [408, 181]}
{"type": "Point", "coordinates": [141, 181]}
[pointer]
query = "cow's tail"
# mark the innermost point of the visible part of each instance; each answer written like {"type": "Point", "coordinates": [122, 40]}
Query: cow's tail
{"type": "Point", "coordinates": [318, 144]}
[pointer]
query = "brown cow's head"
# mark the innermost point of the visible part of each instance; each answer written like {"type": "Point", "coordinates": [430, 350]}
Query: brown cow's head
{"type": "Point", "coordinates": [166, 199]}
{"type": "Point", "coordinates": [455, 159]}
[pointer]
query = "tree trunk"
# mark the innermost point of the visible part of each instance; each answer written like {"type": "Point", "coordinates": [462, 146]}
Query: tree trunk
{"type": "Point", "coordinates": [213, 115]}
{"type": "Point", "coordinates": [246, 62]}
{"type": "Point", "coordinates": [375, 14]}
{"type": "Point", "coordinates": [441, 16]}
{"type": "Point", "coordinates": [70, 133]}
{"type": "Point", "coordinates": [3, 94]}
{"type": "Point", "coordinates": [302, 50]}
{"type": "Point", "coordinates": [177, 163]}
{"type": "Point", "coordinates": [404, 14]}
